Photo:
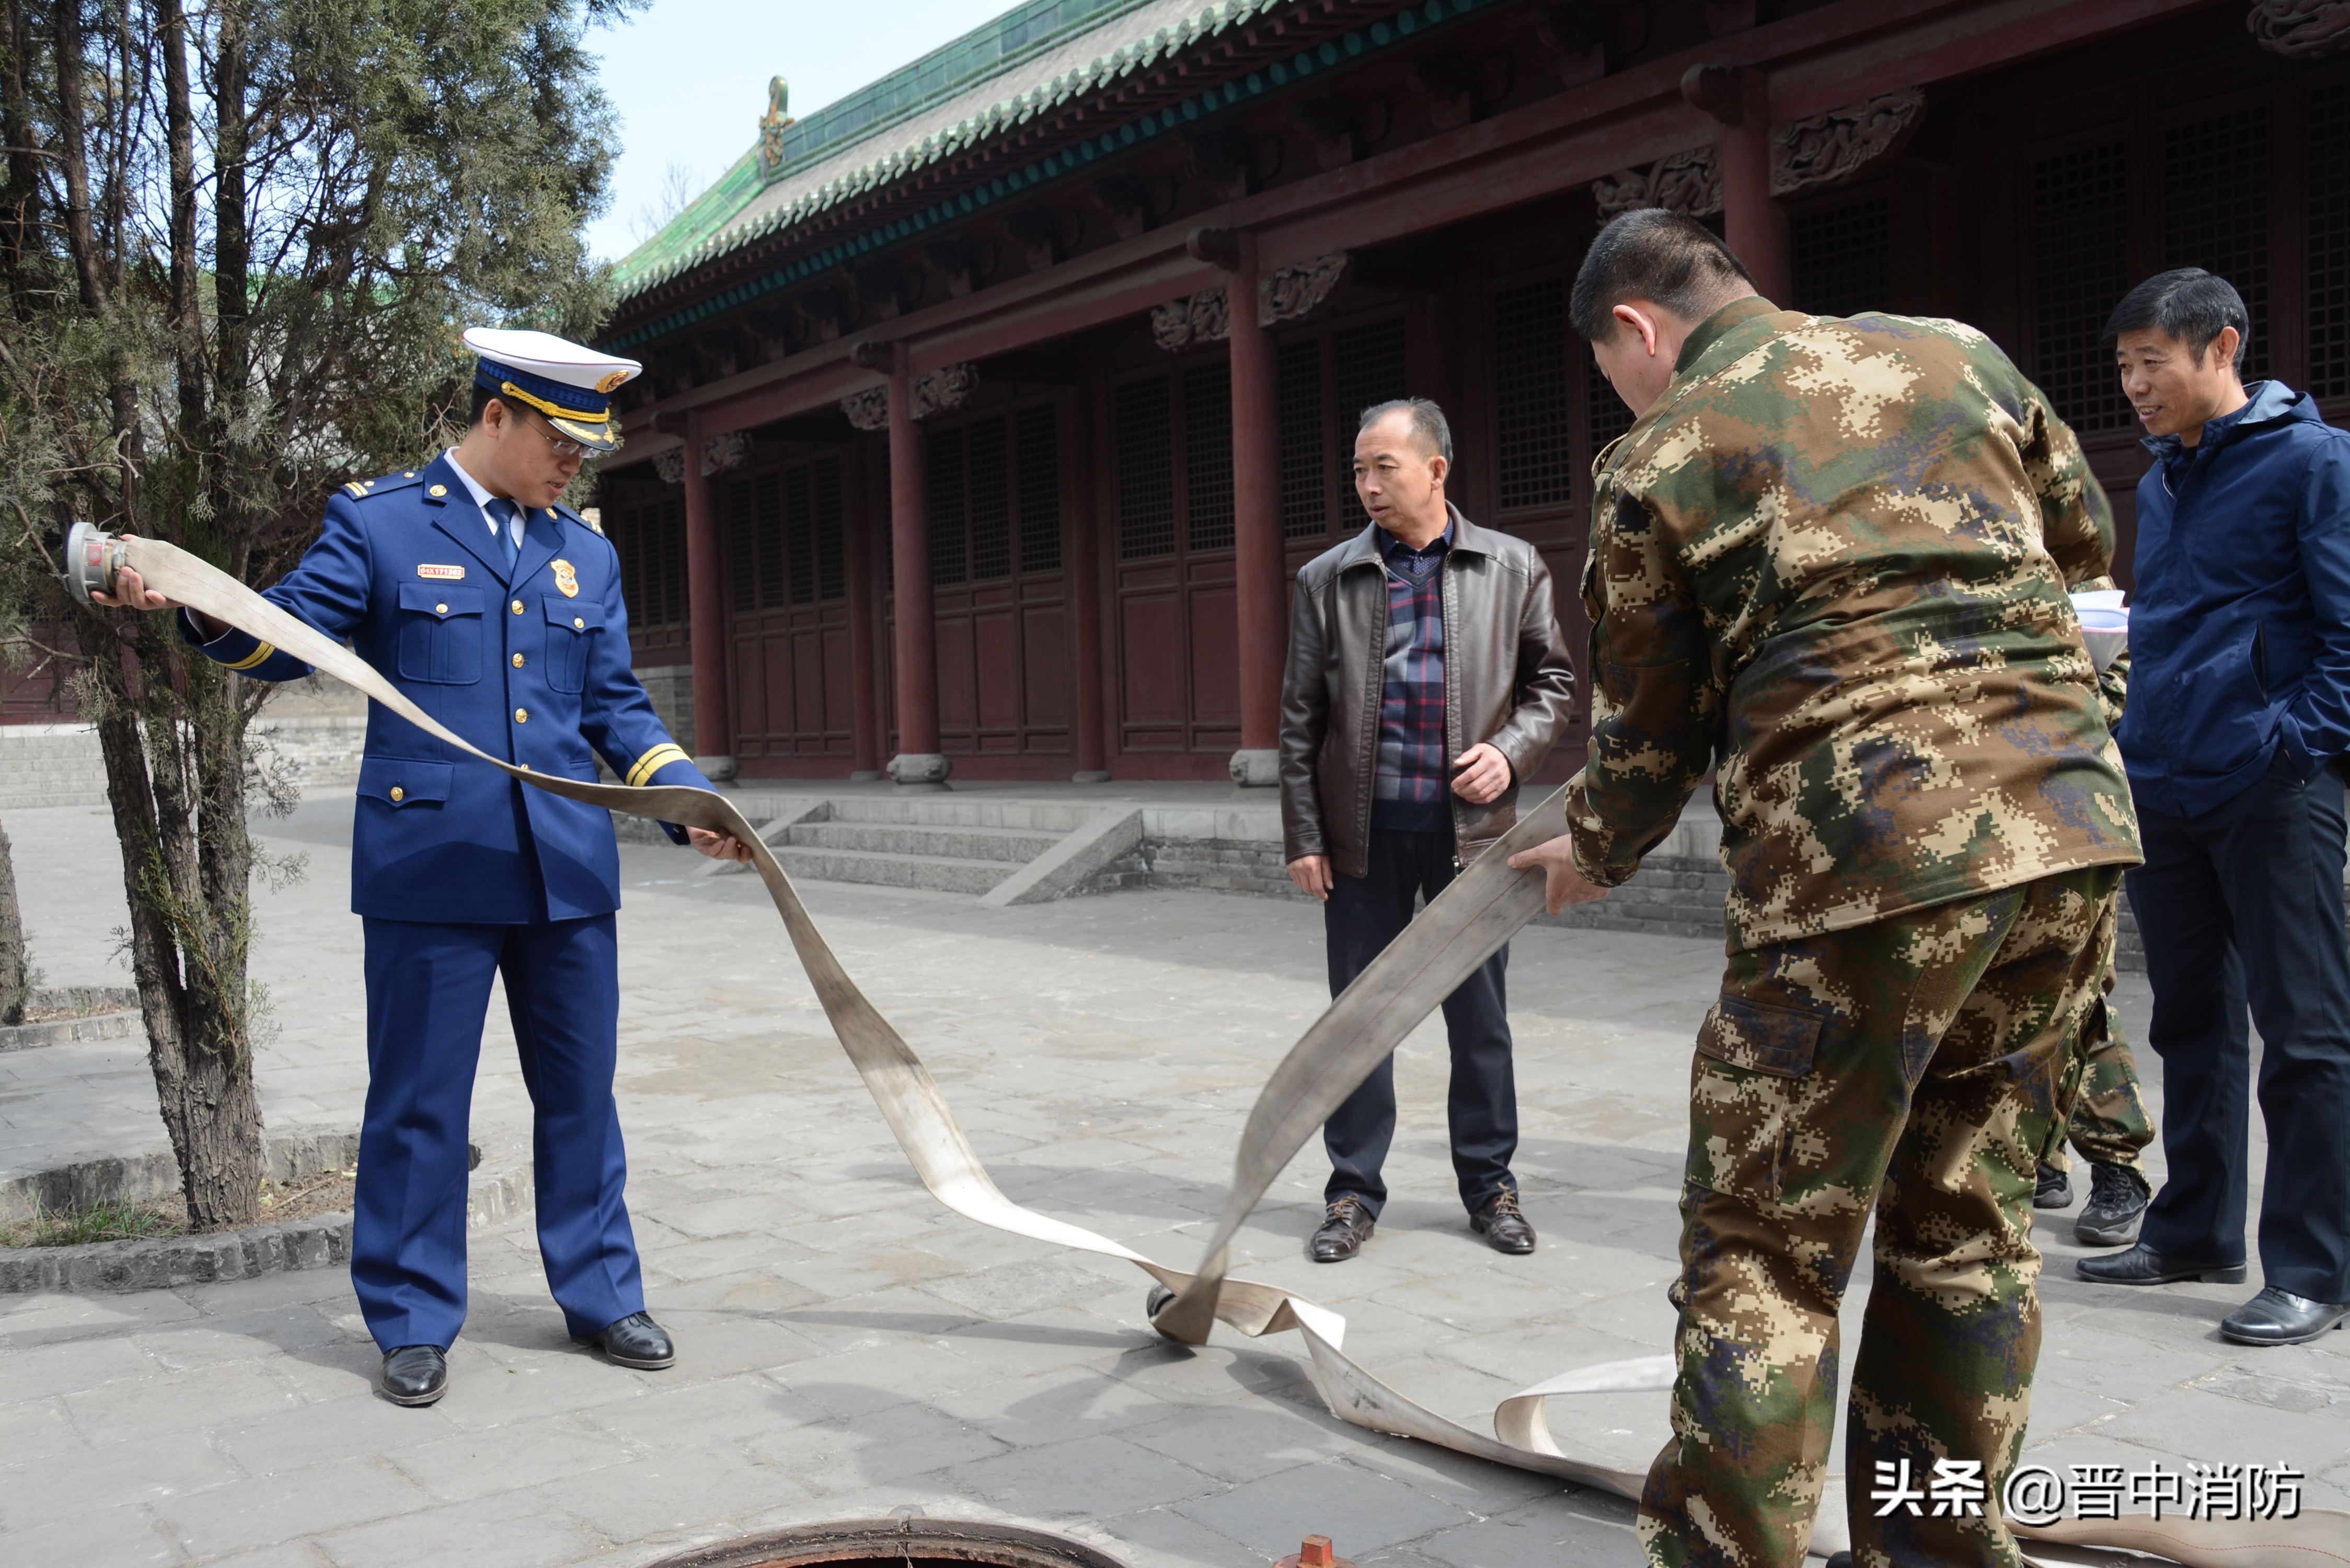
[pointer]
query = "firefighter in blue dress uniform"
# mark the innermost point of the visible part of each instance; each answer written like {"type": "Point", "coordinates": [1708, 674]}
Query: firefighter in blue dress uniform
{"type": "Point", "coordinates": [498, 611]}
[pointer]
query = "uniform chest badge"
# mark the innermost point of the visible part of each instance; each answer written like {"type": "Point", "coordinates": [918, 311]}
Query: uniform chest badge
{"type": "Point", "coordinates": [567, 579]}
{"type": "Point", "coordinates": [447, 573]}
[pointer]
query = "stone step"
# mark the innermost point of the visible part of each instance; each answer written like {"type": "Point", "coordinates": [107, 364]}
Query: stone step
{"type": "Point", "coordinates": [1002, 844]}
{"type": "Point", "coordinates": [946, 811]}
{"type": "Point", "coordinates": [938, 874]}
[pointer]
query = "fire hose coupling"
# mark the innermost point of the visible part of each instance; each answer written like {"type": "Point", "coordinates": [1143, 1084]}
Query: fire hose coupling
{"type": "Point", "coordinates": [92, 557]}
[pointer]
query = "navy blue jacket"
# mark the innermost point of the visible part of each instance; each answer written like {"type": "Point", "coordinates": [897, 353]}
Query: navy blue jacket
{"type": "Point", "coordinates": [534, 669]}
{"type": "Point", "coordinates": [2239, 625]}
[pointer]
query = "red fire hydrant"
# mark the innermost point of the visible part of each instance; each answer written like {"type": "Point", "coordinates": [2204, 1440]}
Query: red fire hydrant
{"type": "Point", "coordinates": [1315, 1554]}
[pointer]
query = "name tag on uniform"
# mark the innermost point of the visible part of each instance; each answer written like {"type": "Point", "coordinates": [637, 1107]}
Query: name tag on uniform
{"type": "Point", "coordinates": [450, 574]}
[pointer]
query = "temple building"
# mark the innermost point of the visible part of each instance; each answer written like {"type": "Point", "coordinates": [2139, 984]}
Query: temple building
{"type": "Point", "coordinates": [990, 409]}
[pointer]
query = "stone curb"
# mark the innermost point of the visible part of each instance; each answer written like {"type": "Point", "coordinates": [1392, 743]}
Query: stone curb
{"type": "Point", "coordinates": [498, 1190]}
{"type": "Point", "coordinates": [117, 1024]}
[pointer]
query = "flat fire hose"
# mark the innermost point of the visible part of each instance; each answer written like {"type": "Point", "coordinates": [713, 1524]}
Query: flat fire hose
{"type": "Point", "coordinates": [1484, 906]}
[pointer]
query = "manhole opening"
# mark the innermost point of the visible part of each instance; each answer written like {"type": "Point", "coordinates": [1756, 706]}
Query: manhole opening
{"type": "Point", "coordinates": [897, 1543]}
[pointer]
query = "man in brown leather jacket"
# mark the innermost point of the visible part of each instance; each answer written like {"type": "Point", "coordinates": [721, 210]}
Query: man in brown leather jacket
{"type": "Point", "coordinates": [1427, 678]}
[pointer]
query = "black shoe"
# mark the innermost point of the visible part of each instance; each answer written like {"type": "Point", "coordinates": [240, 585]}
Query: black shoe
{"type": "Point", "coordinates": [2118, 1198]}
{"type": "Point", "coordinates": [2052, 1190]}
{"type": "Point", "coordinates": [635, 1341]}
{"type": "Point", "coordinates": [1503, 1224]}
{"type": "Point", "coordinates": [415, 1374]}
{"type": "Point", "coordinates": [1841, 1560]}
{"type": "Point", "coordinates": [2280, 1318]}
{"type": "Point", "coordinates": [2142, 1265]}
{"type": "Point", "coordinates": [1343, 1231]}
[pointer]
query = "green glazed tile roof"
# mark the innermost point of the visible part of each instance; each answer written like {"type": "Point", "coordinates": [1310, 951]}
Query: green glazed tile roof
{"type": "Point", "coordinates": [1030, 60]}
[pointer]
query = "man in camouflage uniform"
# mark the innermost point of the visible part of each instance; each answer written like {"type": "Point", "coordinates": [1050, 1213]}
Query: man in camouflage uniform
{"type": "Point", "coordinates": [2107, 1126]}
{"type": "Point", "coordinates": [1829, 562]}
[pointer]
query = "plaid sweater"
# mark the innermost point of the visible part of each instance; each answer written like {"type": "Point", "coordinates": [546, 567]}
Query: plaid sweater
{"type": "Point", "coordinates": [1409, 789]}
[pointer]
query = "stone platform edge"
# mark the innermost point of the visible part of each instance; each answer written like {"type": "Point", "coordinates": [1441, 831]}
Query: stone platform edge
{"type": "Point", "coordinates": [500, 1188]}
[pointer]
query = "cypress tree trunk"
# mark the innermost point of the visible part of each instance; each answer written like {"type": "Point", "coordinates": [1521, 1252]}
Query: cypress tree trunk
{"type": "Point", "coordinates": [16, 972]}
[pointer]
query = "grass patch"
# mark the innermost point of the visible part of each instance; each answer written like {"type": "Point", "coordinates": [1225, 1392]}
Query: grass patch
{"type": "Point", "coordinates": [111, 1219]}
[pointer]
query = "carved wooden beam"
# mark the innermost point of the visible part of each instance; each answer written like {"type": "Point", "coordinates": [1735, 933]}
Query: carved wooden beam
{"type": "Point", "coordinates": [944, 387]}
{"type": "Point", "coordinates": [2300, 29]}
{"type": "Point", "coordinates": [1287, 293]}
{"type": "Point", "coordinates": [1811, 154]}
{"type": "Point", "coordinates": [1578, 32]}
{"type": "Point", "coordinates": [1329, 124]}
{"type": "Point", "coordinates": [1045, 234]}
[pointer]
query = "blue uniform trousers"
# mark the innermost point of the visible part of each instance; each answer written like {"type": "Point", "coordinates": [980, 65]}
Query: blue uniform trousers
{"type": "Point", "coordinates": [2243, 906]}
{"type": "Point", "coordinates": [428, 988]}
{"type": "Point", "coordinates": [1362, 916]}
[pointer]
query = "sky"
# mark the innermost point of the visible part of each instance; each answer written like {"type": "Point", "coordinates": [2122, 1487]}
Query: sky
{"type": "Point", "coordinates": [688, 79]}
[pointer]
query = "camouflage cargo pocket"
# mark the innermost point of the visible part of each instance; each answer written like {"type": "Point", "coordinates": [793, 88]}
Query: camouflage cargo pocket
{"type": "Point", "coordinates": [1747, 1088]}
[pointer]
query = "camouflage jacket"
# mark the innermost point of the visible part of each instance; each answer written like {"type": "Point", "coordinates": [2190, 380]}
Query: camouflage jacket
{"type": "Point", "coordinates": [1831, 564]}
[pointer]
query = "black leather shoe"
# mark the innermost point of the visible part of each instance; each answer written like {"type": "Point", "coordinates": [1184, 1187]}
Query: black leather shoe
{"type": "Point", "coordinates": [2280, 1318]}
{"type": "Point", "coordinates": [635, 1341]}
{"type": "Point", "coordinates": [1504, 1225]}
{"type": "Point", "coordinates": [2118, 1198]}
{"type": "Point", "coordinates": [1343, 1231]}
{"type": "Point", "coordinates": [415, 1374]}
{"type": "Point", "coordinates": [2142, 1265]}
{"type": "Point", "coordinates": [2053, 1189]}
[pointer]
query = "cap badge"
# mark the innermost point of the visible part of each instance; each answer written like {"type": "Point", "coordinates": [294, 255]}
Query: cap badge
{"type": "Point", "coordinates": [608, 382]}
{"type": "Point", "coordinates": [567, 579]}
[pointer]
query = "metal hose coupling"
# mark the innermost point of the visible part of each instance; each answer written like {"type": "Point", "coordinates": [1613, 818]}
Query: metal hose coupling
{"type": "Point", "coordinates": [92, 557]}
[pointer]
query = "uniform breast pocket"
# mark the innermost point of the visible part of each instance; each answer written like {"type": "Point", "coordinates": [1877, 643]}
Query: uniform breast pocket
{"type": "Point", "coordinates": [440, 633]}
{"type": "Point", "coordinates": [572, 628]}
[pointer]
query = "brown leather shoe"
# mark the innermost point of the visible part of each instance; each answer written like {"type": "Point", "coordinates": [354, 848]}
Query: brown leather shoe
{"type": "Point", "coordinates": [1503, 1224]}
{"type": "Point", "coordinates": [1343, 1231]}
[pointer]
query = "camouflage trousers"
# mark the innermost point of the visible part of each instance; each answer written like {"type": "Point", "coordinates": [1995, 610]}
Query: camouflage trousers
{"type": "Point", "coordinates": [2108, 1123]}
{"type": "Point", "coordinates": [1915, 1066]}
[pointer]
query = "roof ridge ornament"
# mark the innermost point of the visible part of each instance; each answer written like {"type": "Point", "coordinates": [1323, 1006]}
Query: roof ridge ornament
{"type": "Point", "coordinates": [771, 124]}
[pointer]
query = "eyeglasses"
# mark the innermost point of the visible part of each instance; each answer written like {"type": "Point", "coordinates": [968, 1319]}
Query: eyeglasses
{"type": "Point", "coordinates": [558, 445]}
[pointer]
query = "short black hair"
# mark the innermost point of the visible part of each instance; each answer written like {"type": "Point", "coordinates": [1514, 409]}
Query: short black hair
{"type": "Point", "coordinates": [482, 396]}
{"type": "Point", "coordinates": [1651, 254]}
{"type": "Point", "coordinates": [2188, 306]}
{"type": "Point", "coordinates": [1428, 421]}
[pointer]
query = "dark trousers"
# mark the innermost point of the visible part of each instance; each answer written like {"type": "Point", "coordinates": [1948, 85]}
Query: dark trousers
{"type": "Point", "coordinates": [427, 987]}
{"type": "Point", "coordinates": [1363, 915]}
{"type": "Point", "coordinates": [2243, 906]}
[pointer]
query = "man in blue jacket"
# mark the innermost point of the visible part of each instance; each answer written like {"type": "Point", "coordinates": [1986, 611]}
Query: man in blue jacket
{"type": "Point", "coordinates": [2237, 723]}
{"type": "Point", "coordinates": [498, 610]}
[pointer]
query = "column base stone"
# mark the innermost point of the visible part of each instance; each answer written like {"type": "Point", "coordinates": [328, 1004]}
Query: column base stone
{"type": "Point", "coordinates": [1089, 775]}
{"type": "Point", "coordinates": [919, 770]}
{"type": "Point", "coordinates": [1256, 770]}
{"type": "Point", "coordinates": [868, 775]}
{"type": "Point", "coordinates": [719, 770]}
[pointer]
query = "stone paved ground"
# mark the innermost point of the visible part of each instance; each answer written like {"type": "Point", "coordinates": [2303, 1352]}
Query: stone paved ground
{"type": "Point", "coordinates": [849, 1348]}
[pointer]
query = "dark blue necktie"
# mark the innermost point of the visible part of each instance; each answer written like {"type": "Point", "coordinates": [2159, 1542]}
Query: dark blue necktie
{"type": "Point", "coordinates": [502, 512]}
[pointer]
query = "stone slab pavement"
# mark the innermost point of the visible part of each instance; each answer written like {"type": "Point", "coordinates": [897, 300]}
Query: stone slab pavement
{"type": "Point", "coordinates": [849, 1348]}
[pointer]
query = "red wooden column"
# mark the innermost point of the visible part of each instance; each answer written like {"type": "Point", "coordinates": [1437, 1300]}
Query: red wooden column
{"type": "Point", "coordinates": [864, 652]}
{"type": "Point", "coordinates": [1751, 219]}
{"type": "Point", "coordinates": [705, 594]}
{"type": "Point", "coordinates": [919, 762]}
{"type": "Point", "coordinates": [1261, 602]}
{"type": "Point", "coordinates": [1086, 600]}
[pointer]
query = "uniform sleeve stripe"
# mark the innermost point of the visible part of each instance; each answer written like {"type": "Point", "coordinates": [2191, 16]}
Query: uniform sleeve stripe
{"type": "Point", "coordinates": [652, 761]}
{"type": "Point", "coordinates": [261, 652]}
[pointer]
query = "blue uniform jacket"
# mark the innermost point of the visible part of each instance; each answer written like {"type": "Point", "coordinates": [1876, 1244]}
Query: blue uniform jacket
{"type": "Point", "coordinates": [535, 670]}
{"type": "Point", "coordinates": [2239, 625]}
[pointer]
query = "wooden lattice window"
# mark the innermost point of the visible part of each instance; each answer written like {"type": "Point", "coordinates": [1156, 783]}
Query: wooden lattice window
{"type": "Point", "coordinates": [741, 544]}
{"type": "Point", "coordinates": [1844, 257]}
{"type": "Point", "coordinates": [991, 501]}
{"type": "Point", "coordinates": [2215, 210]}
{"type": "Point", "coordinates": [671, 572]}
{"type": "Point", "coordinates": [1532, 459]}
{"type": "Point", "coordinates": [1208, 457]}
{"type": "Point", "coordinates": [2328, 135]}
{"type": "Point", "coordinates": [1368, 367]}
{"type": "Point", "coordinates": [767, 524]}
{"type": "Point", "coordinates": [799, 528]}
{"type": "Point", "coordinates": [1038, 440]}
{"type": "Point", "coordinates": [1304, 468]}
{"type": "Point", "coordinates": [831, 523]}
{"type": "Point", "coordinates": [949, 494]}
{"type": "Point", "coordinates": [2081, 269]}
{"type": "Point", "coordinates": [1144, 439]}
